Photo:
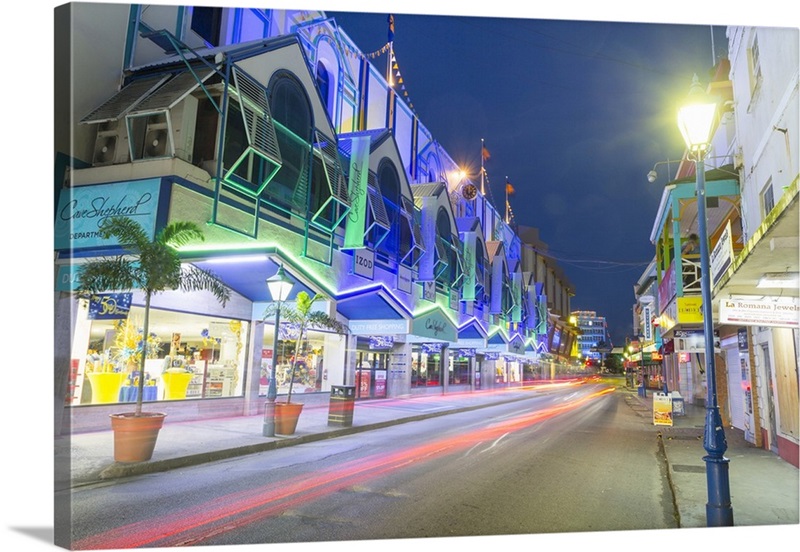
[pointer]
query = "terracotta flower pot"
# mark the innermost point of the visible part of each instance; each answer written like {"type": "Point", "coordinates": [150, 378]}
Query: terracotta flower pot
{"type": "Point", "coordinates": [286, 416]}
{"type": "Point", "coordinates": [135, 436]}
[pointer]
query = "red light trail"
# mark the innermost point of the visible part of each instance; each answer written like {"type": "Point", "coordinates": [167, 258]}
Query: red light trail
{"type": "Point", "coordinates": [193, 525]}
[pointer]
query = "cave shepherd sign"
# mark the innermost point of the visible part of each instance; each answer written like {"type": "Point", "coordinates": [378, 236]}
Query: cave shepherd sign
{"type": "Point", "coordinates": [436, 325]}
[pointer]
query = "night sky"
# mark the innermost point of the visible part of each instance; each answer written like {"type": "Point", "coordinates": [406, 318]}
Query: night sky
{"type": "Point", "coordinates": [574, 113]}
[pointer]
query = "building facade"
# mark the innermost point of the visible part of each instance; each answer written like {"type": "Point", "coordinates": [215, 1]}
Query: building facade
{"type": "Point", "coordinates": [756, 295]}
{"type": "Point", "coordinates": [593, 341]}
{"type": "Point", "coordinates": [752, 214]}
{"type": "Point", "coordinates": [645, 354]}
{"type": "Point", "coordinates": [290, 147]}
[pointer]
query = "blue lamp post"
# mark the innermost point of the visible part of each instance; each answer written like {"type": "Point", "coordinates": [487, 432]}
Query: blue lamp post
{"type": "Point", "coordinates": [279, 287]}
{"type": "Point", "coordinates": [696, 121]}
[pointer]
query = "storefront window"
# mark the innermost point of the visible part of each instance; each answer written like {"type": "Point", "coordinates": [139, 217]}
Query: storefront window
{"type": "Point", "coordinates": [189, 357]}
{"type": "Point", "coordinates": [459, 369]}
{"type": "Point", "coordinates": [372, 369]}
{"type": "Point", "coordinates": [500, 371]}
{"type": "Point", "coordinates": [310, 372]}
{"type": "Point", "coordinates": [426, 366]}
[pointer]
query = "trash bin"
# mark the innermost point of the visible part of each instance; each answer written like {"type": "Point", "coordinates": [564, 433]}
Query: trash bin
{"type": "Point", "coordinates": [642, 391]}
{"type": "Point", "coordinates": [343, 399]}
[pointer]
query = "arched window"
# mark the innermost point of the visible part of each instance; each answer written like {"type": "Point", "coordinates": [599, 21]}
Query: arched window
{"type": "Point", "coordinates": [289, 104]}
{"type": "Point", "coordinates": [291, 111]}
{"type": "Point", "coordinates": [389, 181]}
{"type": "Point", "coordinates": [389, 185]}
{"type": "Point", "coordinates": [324, 84]}
{"type": "Point", "coordinates": [433, 168]}
{"type": "Point", "coordinates": [445, 237]}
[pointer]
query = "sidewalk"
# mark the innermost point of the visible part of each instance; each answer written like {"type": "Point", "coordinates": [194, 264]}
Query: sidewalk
{"type": "Point", "coordinates": [763, 487]}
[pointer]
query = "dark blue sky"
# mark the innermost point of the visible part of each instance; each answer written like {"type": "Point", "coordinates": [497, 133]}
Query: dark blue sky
{"type": "Point", "coordinates": [574, 113]}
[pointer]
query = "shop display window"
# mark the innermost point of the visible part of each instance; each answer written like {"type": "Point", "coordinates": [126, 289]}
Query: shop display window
{"type": "Point", "coordinates": [459, 370]}
{"type": "Point", "coordinates": [188, 357]}
{"type": "Point", "coordinates": [426, 367]}
{"type": "Point", "coordinates": [310, 373]}
{"type": "Point", "coordinates": [372, 369]}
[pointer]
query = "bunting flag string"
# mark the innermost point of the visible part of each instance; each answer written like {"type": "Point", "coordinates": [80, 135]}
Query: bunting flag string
{"type": "Point", "coordinates": [488, 186]}
{"type": "Point", "coordinates": [510, 213]}
{"type": "Point", "coordinates": [398, 79]}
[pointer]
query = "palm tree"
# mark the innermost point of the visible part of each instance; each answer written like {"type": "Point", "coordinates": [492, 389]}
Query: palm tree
{"type": "Point", "coordinates": [304, 318]}
{"type": "Point", "coordinates": [150, 265]}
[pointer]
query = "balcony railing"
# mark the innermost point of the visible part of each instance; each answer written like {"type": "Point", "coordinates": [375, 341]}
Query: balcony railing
{"type": "Point", "coordinates": [691, 274]}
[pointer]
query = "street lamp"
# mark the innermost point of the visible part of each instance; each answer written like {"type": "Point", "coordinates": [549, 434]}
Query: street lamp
{"type": "Point", "coordinates": [696, 121]}
{"type": "Point", "coordinates": [279, 288]}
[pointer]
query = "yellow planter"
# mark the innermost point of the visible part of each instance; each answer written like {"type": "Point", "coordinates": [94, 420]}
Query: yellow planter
{"type": "Point", "coordinates": [105, 386]}
{"type": "Point", "coordinates": [175, 384]}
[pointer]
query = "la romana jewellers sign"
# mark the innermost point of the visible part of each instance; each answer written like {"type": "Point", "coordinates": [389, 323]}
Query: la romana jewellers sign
{"type": "Point", "coordinates": [760, 311]}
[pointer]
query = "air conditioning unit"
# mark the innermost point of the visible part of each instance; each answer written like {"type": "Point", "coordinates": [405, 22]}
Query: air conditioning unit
{"type": "Point", "coordinates": [109, 146]}
{"type": "Point", "coordinates": [156, 141]}
{"type": "Point", "coordinates": [149, 136]}
{"type": "Point", "coordinates": [165, 133]}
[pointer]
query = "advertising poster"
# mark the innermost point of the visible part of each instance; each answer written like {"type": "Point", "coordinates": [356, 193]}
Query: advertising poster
{"type": "Point", "coordinates": [662, 409]}
{"type": "Point", "coordinates": [380, 384]}
{"type": "Point", "coordinates": [744, 365]}
{"type": "Point", "coordinates": [363, 382]}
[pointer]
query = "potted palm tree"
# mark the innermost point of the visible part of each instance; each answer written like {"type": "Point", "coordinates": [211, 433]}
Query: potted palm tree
{"type": "Point", "coordinates": [152, 266]}
{"type": "Point", "coordinates": [302, 317]}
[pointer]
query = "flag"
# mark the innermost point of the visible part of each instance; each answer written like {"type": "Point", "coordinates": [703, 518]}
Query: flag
{"type": "Point", "coordinates": [485, 153]}
{"type": "Point", "coordinates": [390, 20]}
{"type": "Point", "coordinates": [509, 188]}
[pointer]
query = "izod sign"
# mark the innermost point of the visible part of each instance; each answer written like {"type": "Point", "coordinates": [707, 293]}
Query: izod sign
{"type": "Point", "coordinates": [364, 263]}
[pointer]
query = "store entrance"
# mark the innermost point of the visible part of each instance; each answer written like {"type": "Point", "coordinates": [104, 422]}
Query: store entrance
{"type": "Point", "coordinates": [371, 372]}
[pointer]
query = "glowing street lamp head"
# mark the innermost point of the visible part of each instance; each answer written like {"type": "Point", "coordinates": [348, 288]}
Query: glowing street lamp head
{"type": "Point", "coordinates": [279, 285]}
{"type": "Point", "coordinates": [696, 118]}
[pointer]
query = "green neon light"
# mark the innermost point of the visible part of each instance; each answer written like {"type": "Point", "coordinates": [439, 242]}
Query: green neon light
{"type": "Point", "coordinates": [428, 310]}
{"type": "Point", "coordinates": [268, 249]}
{"type": "Point", "coordinates": [496, 329]}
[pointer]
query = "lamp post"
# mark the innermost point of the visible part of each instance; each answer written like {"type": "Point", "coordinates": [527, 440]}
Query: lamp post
{"type": "Point", "coordinates": [696, 120]}
{"type": "Point", "coordinates": [279, 287]}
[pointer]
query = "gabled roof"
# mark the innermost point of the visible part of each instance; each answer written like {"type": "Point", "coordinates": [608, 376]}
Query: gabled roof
{"type": "Point", "coordinates": [493, 248]}
{"type": "Point", "coordinates": [432, 189]}
{"type": "Point", "coordinates": [346, 142]}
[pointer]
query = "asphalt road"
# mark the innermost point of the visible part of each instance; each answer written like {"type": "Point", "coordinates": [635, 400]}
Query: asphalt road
{"type": "Point", "coordinates": [571, 460]}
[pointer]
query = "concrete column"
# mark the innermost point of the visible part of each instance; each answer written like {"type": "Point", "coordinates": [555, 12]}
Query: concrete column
{"type": "Point", "coordinates": [65, 310]}
{"type": "Point", "coordinates": [252, 402]}
{"type": "Point", "coordinates": [444, 360]}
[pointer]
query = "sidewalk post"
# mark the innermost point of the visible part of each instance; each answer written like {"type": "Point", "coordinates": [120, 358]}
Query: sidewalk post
{"type": "Point", "coordinates": [696, 120]}
{"type": "Point", "coordinates": [279, 287]}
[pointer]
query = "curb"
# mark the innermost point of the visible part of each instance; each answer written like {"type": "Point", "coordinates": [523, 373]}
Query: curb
{"type": "Point", "coordinates": [119, 470]}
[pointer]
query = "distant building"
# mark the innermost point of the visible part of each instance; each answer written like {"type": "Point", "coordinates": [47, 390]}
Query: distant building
{"type": "Point", "coordinates": [593, 333]}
